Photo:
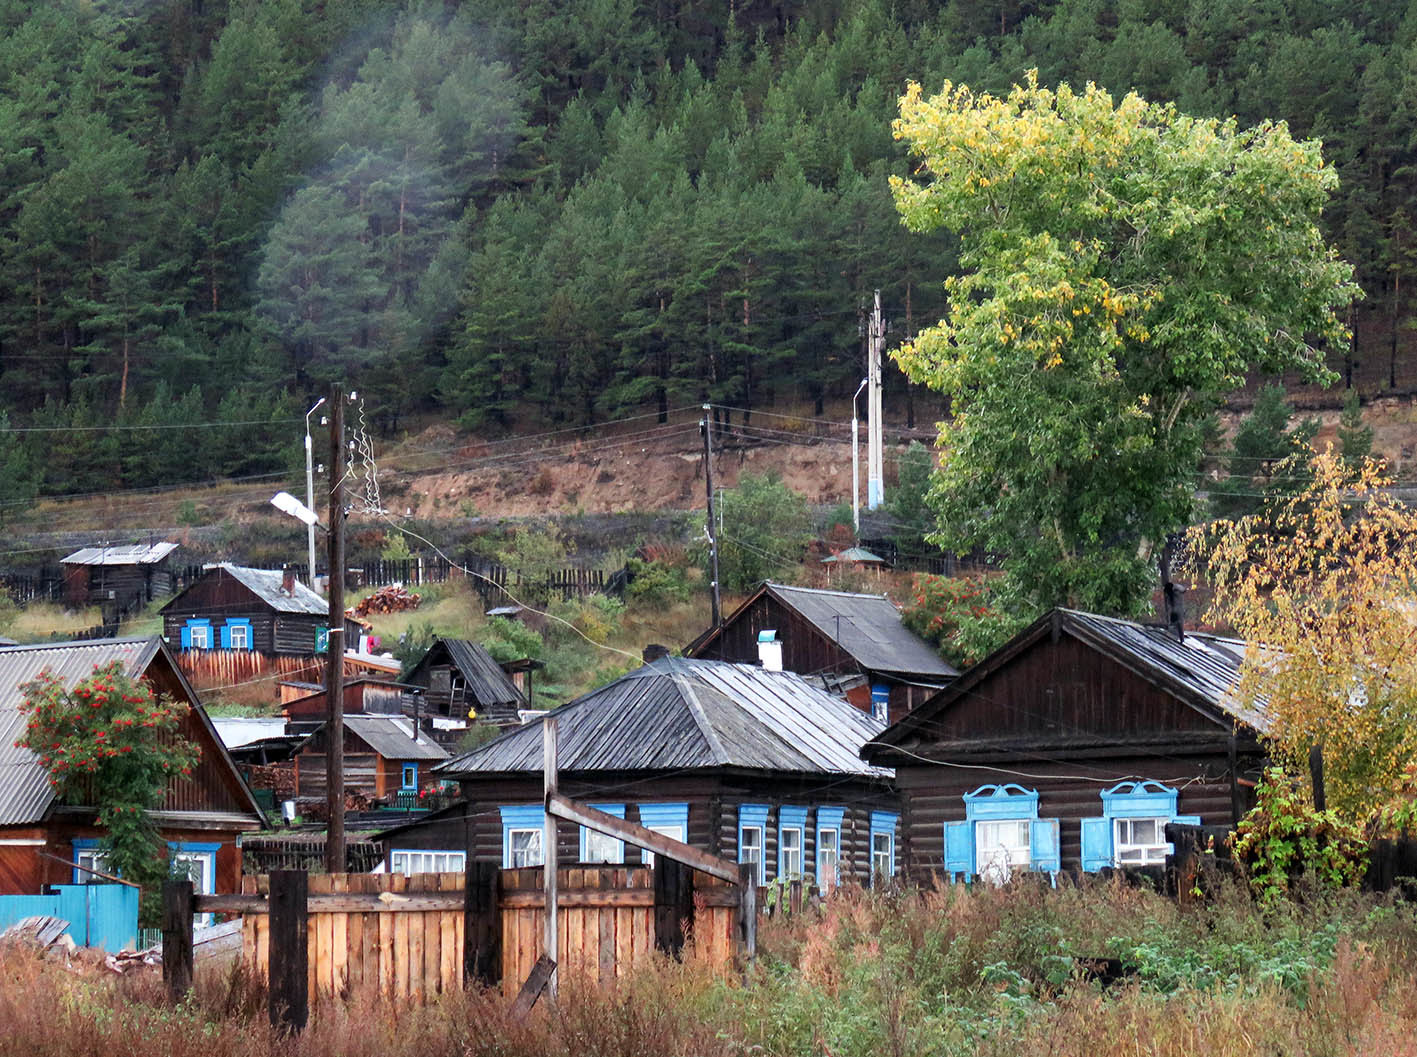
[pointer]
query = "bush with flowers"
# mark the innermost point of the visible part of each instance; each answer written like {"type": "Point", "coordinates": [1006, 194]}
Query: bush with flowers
{"type": "Point", "coordinates": [957, 614]}
{"type": "Point", "coordinates": [110, 742]}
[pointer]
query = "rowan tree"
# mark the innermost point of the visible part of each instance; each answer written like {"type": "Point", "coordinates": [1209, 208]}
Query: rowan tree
{"type": "Point", "coordinates": [1124, 266]}
{"type": "Point", "coordinates": [1320, 584]}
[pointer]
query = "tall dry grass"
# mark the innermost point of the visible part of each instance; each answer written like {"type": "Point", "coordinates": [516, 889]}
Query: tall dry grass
{"type": "Point", "coordinates": [902, 974]}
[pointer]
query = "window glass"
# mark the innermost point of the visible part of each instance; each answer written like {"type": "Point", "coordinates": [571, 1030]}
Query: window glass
{"type": "Point", "coordinates": [676, 832]}
{"type": "Point", "coordinates": [1001, 847]}
{"type": "Point", "coordinates": [791, 853]}
{"type": "Point", "coordinates": [412, 862]}
{"type": "Point", "coordinates": [1140, 840]}
{"type": "Point", "coordinates": [524, 847]}
{"type": "Point", "coordinates": [91, 859]}
{"type": "Point", "coordinates": [750, 847]}
{"type": "Point", "coordinates": [601, 847]}
{"type": "Point", "coordinates": [410, 776]}
{"type": "Point", "coordinates": [199, 639]}
{"type": "Point", "coordinates": [240, 637]}
{"type": "Point", "coordinates": [828, 857]}
{"type": "Point", "coordinates": [882, 852]}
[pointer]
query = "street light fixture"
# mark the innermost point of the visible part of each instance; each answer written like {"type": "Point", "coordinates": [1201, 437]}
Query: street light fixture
{"type": "Point", "coordinates": [288, 504]}
{"type": "Point", "coordinates": [310, 494]}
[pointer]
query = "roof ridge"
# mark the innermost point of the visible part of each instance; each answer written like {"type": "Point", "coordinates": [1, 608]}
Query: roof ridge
{"type": "Point", "coordinates": [828, 591]}
{"type": "Point", "coordinates": [696, 710]}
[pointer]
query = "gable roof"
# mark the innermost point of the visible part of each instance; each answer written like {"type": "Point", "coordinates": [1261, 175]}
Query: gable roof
{"type": "Point", "coordinates": [486, 681]}
{"type": "Point", "coordinates": [25, 792]}
{"type": "Point", "coordinates": [677, 713]}
{"type": "Point", "coordinates": [266, 585]}
{"type": "Point", "coordinates": [1199, 669]}
{"type": "Point", "coordinates": [133, 554]}
{"type": "Point", "coordinates": [392, 738]}
{"type": "Point", "coordinates": [868, 627]}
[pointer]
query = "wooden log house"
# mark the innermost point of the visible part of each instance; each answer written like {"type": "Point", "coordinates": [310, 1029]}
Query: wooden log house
{"type": "Point", "coordinates": [750, 765]}
{"type": "Point", "coordinates": [1071, 747]}
{"type": "Point", "coordinates": [118, 578]}
{"type": "Point", "coordinates": [461, 680]}
{"type": "Point", "coordinates": [46, 841]}
{"type": "Point", "coordinates": [382, 756]}
{"type": "Point", "coordinates": [852, 643]}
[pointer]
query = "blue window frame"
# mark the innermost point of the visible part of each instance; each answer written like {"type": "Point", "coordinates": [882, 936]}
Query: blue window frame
{"type": "Point", "coordinates": [791, 842]}
{"type": "Point", "coordinates": [601, 847]}
{"type": "Point", "coordinates": [1001, 832]}
{"type": "Point", "coordinates": [883, 826]}
{"type": "Point", "coordinates": [409, 780]}
{"type": "Point", "coordinates": [522, 828]}
{"type": "Point", "coordinates": [1130, 831]}
{"type": "Point", "coordinates": [752, 827]}
{"type": "Point", "coordinates": [87, 852]}
{"type": "Point", "coordinates": [197, 634]}
{"type": "Point", "coordinates": [828, 844]}
{"type": "Point", "coordinates": [881, 701]}
{"type": "Point", "coordinates": [236, 634]}
{"type": "Point", "coordinates": [672, 820]}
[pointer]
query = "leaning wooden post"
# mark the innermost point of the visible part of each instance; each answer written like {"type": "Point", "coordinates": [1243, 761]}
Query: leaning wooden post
{"type": "Point", "coordinates": [177, 938]}
{"type": "Point", "coordinates": [289, 950]}
{"type": "Point", "coordinates": [748, 910]}
{"type": "Point", "coordinates": [548, 845]}
{"type": "Point", "coordinates": [673, 904]}
{"type": "Point", "coordinates": [482, 933]}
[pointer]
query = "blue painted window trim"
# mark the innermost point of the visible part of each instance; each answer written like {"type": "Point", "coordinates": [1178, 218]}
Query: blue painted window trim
{"type": "Point", "coordinates": [618, 810]}
{"type": "Point", "coordinates": [1003, 802]}
{"type": "Point", "coordinates": [196, 622]}
{"type": "Point", "coordinates": [790, 816]}
{"type": "Point", "coordinates": [828, 818]}
{"type": "Point", "coordinates": [81, 844]}
{"type": "Point", "coordinates": [1132, 798]}
{"type": "Point", "coordinates": [881, 702]}
{"type": "Point", "coordinates": [235, 622]}
{"type": "Point", "coordinates": [655, 816]}
{"type": "Point", "coordinates": [520, 816]}
{"type": "Point", "coordinates": [883, 822]}
{"type": "Point", "coordinates": [405, 785]}
{"type": "Point", "coordinates": [755, 816]}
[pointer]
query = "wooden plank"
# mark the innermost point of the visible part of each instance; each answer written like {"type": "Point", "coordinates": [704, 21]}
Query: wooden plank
{"type": "Point", "coordinates": [537, 981]}
{"type": "Point", "coordinates": [605, 929]}
{"type": "Point", "coordinates": [402, 950]}
{"type": "Point", "coordinates": [748, 912]}
{"type": "Point", "coordinates": [633, 833]}
{"type": "Point", "coordinates": [482, 925]}
{"type": "Point", "coordinates": [415, 956]}
{"type": "Point", "coordinates": [177, 959]}
{"type": "Point", "coordinates": [289, 1001]}
{"type": "Point", "coordinates": [449, 940]}
{"type": "Point", "coordinates": [387, 961]}
{"type": "Point", "coordinates": [338, 903]}
{"type": "Point", "coordinates": [339, 940]}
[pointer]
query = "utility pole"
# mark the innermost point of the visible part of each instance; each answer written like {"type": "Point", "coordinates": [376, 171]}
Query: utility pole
{"type": "Point", "coordinates": [875, 463]}
{"type": "Point", "coordinates": [856, 462]}
{"type": "Point", "coordinates": [334, 646]}
{"type": "Point", "coordinates": [310, 493]}
{"type": "Point", "coordinates": [549, 858]}
{"type": "Point", "coordinates": [706, 426]}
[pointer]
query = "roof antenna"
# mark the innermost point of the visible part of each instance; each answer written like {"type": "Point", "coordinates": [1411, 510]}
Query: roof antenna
{"type": "Point", "coordinates": [1173, 611]}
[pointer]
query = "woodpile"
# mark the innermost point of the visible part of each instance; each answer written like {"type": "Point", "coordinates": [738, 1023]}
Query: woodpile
{"type": "Point", "coordinates": [391, 599]}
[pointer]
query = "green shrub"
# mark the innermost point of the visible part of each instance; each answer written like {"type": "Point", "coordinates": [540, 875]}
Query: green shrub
{"type": "Point", "coordinates": [656, 583]}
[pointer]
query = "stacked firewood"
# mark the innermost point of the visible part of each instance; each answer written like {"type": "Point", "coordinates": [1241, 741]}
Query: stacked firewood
{"type": "Point", "coordinates": [391, 599]}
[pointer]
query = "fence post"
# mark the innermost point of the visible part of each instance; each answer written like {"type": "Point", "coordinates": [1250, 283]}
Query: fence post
{"type": "Point", "coordinates": [748, 910]}
{"type": "Point", "coordinates": [289, 951]}
{"type": "Point", "coordinates": [673, 903]}
{"type": "Point", "coordinates": [482, 931]}
{"type": "Point", "coordinates": [177, 938]}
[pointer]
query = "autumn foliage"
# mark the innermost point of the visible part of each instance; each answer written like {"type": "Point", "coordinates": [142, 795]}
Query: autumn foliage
{"type": "Point", "coordinates": [109, 742]}
{"type": "Point", "coordinates": [1321, 585]}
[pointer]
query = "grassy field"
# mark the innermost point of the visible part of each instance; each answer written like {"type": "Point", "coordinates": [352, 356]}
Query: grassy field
{"type": "Point", "coordinates": [43, 621]}
{"type": "Point", "coordinates": [906, 974]}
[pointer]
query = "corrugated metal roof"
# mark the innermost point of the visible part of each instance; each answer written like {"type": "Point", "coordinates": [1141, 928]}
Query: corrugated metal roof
{"type": "Point", "coordinates": [133, 554]}
{"type": "Point", "coordinates": [677, 713]}
{"type": "Point", "coordinates": [486, 681]}
{"type": "Point", "coordinates": [868, 627]}
{"type": "Point", "coordinates": [266, 585]}
{"type": "Point", "coordinates": [854, 554]}
{"type": "Point", "coordinates": [1206, 665]}
{"type": "Point", "coordinates": [25, 792]}
{"type": "Point", "coordinates": [392, 738]}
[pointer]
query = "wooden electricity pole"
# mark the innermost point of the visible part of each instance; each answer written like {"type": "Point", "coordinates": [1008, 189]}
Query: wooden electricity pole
{"type": "Point", "coordinates": [707, 426]}
{"type": "Point", "coordinates": [549, 856]}
{"type": "Point", "coordinates": [334, 646]}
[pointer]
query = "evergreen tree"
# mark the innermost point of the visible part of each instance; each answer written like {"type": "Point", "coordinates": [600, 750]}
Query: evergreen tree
{"type": "Point", "coordinates": [1354, 438]}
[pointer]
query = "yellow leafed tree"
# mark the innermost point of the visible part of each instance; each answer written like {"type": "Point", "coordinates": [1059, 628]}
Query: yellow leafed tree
{"type": "Point", "coordinates": [1323, 586]}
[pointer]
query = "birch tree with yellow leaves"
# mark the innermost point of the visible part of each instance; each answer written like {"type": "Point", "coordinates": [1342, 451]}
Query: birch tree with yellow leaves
{"type": "Point", "coordinates": [1323, 585]}
{"type": "Point", "coordinates": [1124, 266]}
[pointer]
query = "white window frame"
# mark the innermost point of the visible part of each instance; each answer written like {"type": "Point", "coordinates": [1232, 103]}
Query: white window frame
{"type": "Point", "coordinates": [243, 631]}
{"type": "Point", "coordinates": [829, 857]}
{"type": "Point", "coordinates": [882, 855]}
{"type": "Point", "coordinates": [202, 632]}
{"type": "Point", "coordinates": [1152, 853]}
{"type": "Point", "coordinates": [87, 859]}
{"type": "Point", "coordinates": [756, 847]}
{"type": "Point", "coordinates": [534, 847]}
{"type": "Point", "coordinates": [996, 860]}
{"type": "Point", "coordinates": [409, 861]}
{"type": "Point", "coordinates": [790, 871]}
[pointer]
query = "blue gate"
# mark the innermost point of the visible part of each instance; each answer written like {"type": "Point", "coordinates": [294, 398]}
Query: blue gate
{"type": "Point", "coordinates": [104, 916]}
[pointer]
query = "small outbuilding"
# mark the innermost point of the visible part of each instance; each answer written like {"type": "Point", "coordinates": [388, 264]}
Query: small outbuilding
{"type": "Point", "coordinates": [123, 578]}
{"type": "Point", "coordinates": [461, 680]}
{"type": "Point", "coordinates": [383, 756]}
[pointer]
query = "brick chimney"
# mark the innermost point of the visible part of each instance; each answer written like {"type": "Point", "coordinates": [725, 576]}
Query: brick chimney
{"type": "Point", "coordinates": [287, 580]}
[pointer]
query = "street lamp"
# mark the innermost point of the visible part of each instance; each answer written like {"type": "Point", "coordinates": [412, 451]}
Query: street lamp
{"type": "Point", "coordinates": [310, 492]}
{"type": "Point", "coordinates": [855, 462]}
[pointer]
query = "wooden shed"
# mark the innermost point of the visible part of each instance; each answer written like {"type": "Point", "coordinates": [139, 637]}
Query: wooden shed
{"type": "Point", "coordinates": [47, 841]}
{"type": "Point", "coordinates": [123, 578]}
{"type": "Point", "coordinates": [852, 643]}
{"type": "Point", "coordinates": [362, 696]}
{"type": "Point", "coordinates": [460, 679]}
{"type": "Point", "coordinates": [747, 764]}
{"type": "Point", "coordinates": [1071, 747]}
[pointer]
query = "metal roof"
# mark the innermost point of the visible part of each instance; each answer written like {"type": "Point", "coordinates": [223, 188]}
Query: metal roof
{"type": "Point", "coordinates": [25, 792]}
{"type": "Point", "coordinates": [392, 738]}
{"type": "Point", "coordinates": [133, 554]}
{"type": "Point", "coordinates": [854, 554]}
{"type": "Point", "coordinates": [486, 682]}
{"type": "Point", "coordinates": [677, 713]}
{"type": "Point", "coordinates": [266, 584]}
{"type": "Point", "coordinates": [868, 627]}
